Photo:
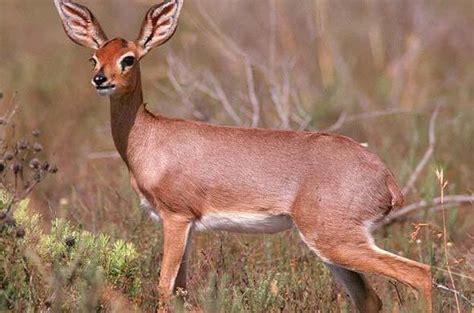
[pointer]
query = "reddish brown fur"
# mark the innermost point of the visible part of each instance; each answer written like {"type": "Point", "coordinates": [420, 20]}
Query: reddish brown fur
{"type": "Point", "coordinates": [332, 188]}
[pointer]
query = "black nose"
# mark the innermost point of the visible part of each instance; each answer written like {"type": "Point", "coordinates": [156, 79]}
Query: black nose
{"type": "Point", "coordinates": [99, 79]}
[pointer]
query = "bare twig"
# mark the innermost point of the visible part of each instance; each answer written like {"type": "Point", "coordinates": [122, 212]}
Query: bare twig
{"type": "Point", "coordinates": [374, 114]}
{"type": "Point", "coordinates": [213, 30]}
{"type": "Point", "coordinates": [426, 157]}
{"type": "Point", "coordinates": [9, 115]}
{"type": "Point", "coordinates": [338, 124]}
{"type": "Point", "coordinates": [223, 99]}
{"type": "Point", "coordinates": [272, 36]}
{"type": "Point", "coordinates": [442, 186]}
{"type": "Point", "coordinates": [252, 95]}
{"type": "Point", "coordinates": [448, 200]}
{"type": "Point", "coordinates": [454, 273]}
{"type": "Point", "coordinates": [457, 293]}
{"type": "Point", "coordinates": [185, 96]}
{"type": "Point", "coordinates": [103, 155]}
{"type": "Point", "coordinates": [300, 116]}
{"type": "Point", "coordinates": [345, 118]}
{"type": "Point", "coordinates": [7, 118]}
{"type": "Point", "coordinates": [280, 96]}
{"type": "Point", "coordinates": [206, 90]}
{"type": "Point", "coordinates": [398, 292]}
{"type": "Point", "coordinates": [303, 121]}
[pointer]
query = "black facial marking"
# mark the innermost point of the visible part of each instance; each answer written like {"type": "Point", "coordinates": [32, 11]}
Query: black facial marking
{"type": "Point", "coordinates": [127, 61]}
{"type": "Point", "coordinates": [107, 43]}
{"type": "Point", "coordinates": [96, 42]}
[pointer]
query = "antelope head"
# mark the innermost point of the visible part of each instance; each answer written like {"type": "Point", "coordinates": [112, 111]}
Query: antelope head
{"type": "Point", "coordinates": [116, 61]}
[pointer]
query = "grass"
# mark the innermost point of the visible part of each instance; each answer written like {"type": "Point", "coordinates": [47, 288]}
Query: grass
{"type": "Point", "coordinates": [71, 269]}
{"type": "Point", "coordinates": [309, 63]}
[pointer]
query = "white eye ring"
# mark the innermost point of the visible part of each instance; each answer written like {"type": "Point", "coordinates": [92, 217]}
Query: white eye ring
{"type": "Point", "coordinates": [94, 61]}
{"type": "Point", "coordinates": [120, 60]}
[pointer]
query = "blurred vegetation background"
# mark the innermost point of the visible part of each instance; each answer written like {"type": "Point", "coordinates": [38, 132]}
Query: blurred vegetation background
{"type": "Point", "coordinates": [371, 70]}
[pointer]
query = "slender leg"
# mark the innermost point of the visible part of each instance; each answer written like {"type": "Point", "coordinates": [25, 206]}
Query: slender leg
{"type": "Point", "coordinates": [181, 278]}
{"type": "Point", "coordinates": [176, 233]}
{"type": "Point", "coordinates": [371, 259]}
{"type": "Point", "coordinates": [357, 252]}
{"type": "Point", "coordinates": [364, 297]}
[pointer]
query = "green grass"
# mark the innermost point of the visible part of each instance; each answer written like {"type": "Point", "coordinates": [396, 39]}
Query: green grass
{"type": "Point", "coordinates": [68, 268]}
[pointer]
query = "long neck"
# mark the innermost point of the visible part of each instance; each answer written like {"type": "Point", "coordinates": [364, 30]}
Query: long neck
{"type": "Point", "coordinates": [128, 118]}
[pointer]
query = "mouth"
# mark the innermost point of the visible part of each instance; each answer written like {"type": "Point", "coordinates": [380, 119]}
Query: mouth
{"type": "Point", "coordinates": [105, 90]}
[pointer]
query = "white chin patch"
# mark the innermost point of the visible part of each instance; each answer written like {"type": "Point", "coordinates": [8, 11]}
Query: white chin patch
{"type": "Point", "coordinates": [106, 92]}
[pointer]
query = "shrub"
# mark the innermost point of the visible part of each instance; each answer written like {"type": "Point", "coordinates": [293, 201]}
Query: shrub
{"type": "Point", "coordinates": [63, 269]}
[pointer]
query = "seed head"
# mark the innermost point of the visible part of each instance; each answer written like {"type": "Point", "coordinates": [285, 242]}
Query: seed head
{"type": "Point", "coordinates": [37, 147]}
{"type": "Point", "coordinates": [45, 165]}
{"type": "Point", "coordinates": [9, 221]}
{"type": "Point", "coordinates": [37, 176]}
{"type": "Point", "coordinates": [70, 242]}
{"type": "Point", "coordinates": [36, 133]}
{"type": "Point", "coordinates": [53, 169]}
{"type": "Point", "coordinates": [35, 163]}
{"type": "Point", "coordinates": [8, 155]}
{"type": "Point", "coordinates": [22, 144]}
{"type": "Point", "coordinates": [16, 167]}
{"type": "Point", "coordinates": [20, 232]}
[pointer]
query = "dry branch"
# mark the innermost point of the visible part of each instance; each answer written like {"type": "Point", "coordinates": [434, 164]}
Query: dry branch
{"type": "Point", "coordinates": [103, 155]}
{"type": "Point", "coordinates": [344, 117]}
{"type": "Point", "coordinates": [281, 96]}
{"type": "Point", "coordinates": [448, 201]}
{"type": "Point", "coordinates": [185, 96]}
{"type": "Point", "coordinates": [426, 157]}
{"type": "Point", "coordinates": [436, 203]}
{"type": "Point", "coordinates": [302, 121]}
{"type": "Point", "coordinates": [252, 95]}
{"type": "Point", "coordinates": [338, 124]}
{"type": "Point", "coordinates": [442, 186]}
{"type": "Point", "coordinates": [219, 91]}
{"type": "Point", "coordinates": [457, 293]}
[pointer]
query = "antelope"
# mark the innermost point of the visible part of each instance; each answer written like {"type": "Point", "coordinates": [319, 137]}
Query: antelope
{"type": "Point", "coordinates": [194, 176]}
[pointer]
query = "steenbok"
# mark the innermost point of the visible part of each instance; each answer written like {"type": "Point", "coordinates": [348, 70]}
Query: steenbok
{"type": "Point", "coordinates": [197, 176]}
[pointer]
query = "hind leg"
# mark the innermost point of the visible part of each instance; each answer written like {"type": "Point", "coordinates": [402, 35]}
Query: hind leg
{"type": "Point", "coordinates": [181, 278]}
{"type": "Point", "coordinates": [352, 247]}
{"type": "Point", "coordinates": [362, 295]}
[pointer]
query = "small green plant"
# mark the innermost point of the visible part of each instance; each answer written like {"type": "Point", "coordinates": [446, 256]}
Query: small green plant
{"type": "Point", "coordinates": [118, 260]}
{"type": "Point", "coordinates": [63, 269]}
{"type": "Point", "coordinates": [17, 279]}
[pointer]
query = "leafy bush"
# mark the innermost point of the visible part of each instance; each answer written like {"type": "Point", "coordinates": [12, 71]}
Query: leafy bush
{"type": "Point", "coordinates": [63, 269]}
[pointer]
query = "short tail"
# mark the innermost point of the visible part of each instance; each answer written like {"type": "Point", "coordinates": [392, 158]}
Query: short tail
{"type": "Point", "coordinates": [395, 193]}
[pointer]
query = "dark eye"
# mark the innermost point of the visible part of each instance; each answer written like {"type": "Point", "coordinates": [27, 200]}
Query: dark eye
{"type": "Point", "coordinates": [93, 61]}
{"type": "Point", "coordinates": [127, 61]}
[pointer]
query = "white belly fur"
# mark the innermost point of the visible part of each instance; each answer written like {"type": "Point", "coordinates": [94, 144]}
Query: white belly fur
{"type": "Point", "coordinates": [146, 205]}
{"type": "Point", "coordinates": [240, 222]}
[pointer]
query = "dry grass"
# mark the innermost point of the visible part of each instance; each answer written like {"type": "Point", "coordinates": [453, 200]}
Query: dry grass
{"type": "Point", "coordinates": [315, 65]}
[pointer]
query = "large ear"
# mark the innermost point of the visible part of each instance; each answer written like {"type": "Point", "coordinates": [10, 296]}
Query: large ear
{"type": "Point", "coordinates": [80, 25]}
{"type": "Point", "coordinates": [159, 25]}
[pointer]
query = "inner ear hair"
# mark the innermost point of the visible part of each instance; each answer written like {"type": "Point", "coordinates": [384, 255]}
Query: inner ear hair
{"type": "Point", "coordinates": [80, 24]}
{"type": "Point", "coordinates": [159, 24]}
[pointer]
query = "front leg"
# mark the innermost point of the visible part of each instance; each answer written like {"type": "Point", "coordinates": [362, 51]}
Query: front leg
{"type": "Point", "coordinates": [177, 233]}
